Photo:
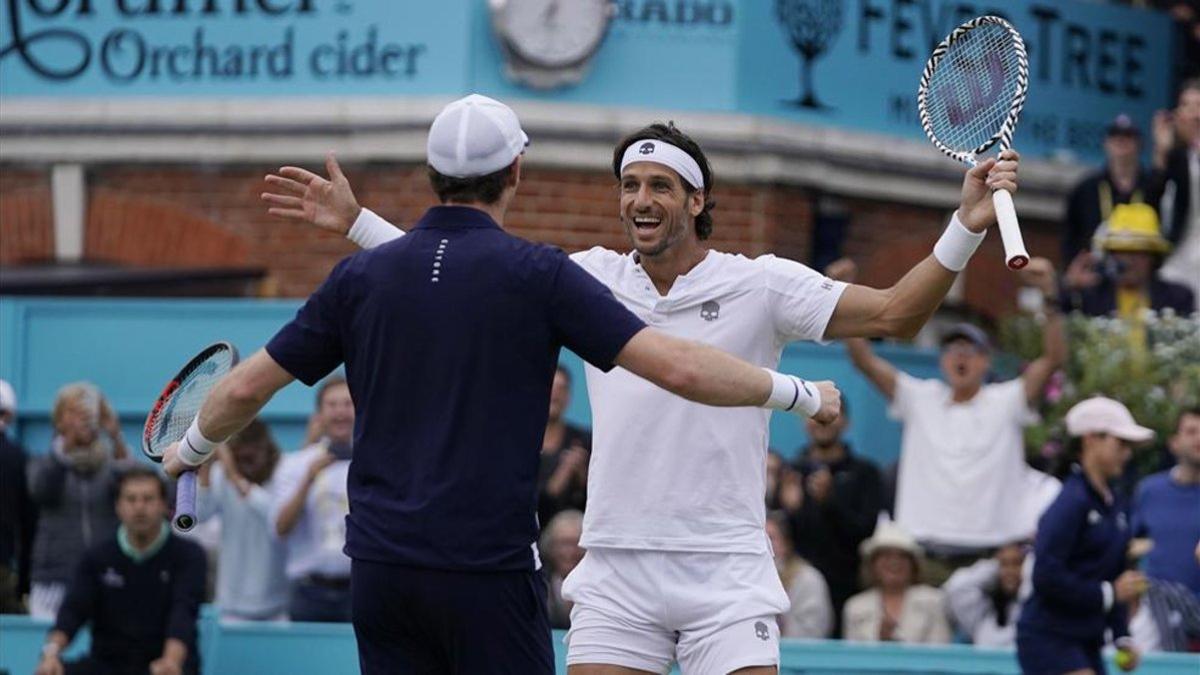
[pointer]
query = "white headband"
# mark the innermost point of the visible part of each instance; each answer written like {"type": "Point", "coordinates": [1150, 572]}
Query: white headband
{"type": "Point", "coordinates": [661, 152]}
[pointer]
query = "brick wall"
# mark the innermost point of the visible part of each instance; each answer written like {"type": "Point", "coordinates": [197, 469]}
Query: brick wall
{"type": "Point", "coordinates": [212, 215]}
{"type": "Point", "coordinates": [26, 222]}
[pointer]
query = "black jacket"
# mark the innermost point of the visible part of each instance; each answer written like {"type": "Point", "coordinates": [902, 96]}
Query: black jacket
{"type": "Point", "coordinates": [1086, 205]}
{"type": "Point", "coordinates": [18, 515]}
{"type": "Point", "coordinates": [828, 535]}
{"type": "Point", "coordinates": [1101, 299]}
{"type": "Point", "coordinates": [133, 607]}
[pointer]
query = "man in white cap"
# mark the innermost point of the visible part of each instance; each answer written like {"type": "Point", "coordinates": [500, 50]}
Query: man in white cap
{"type": "Point", "coordinates": [18, 515]}
{"type": "Point", "coordinates": [1080, 590]}
{"type": "Point", "coordinates": [678, 566]}
{"type": "Point", "coordinates": [450, 337]}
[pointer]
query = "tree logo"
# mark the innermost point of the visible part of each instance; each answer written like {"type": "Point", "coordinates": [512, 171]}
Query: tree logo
{"type": "Point", "coordinates": [812, 25]}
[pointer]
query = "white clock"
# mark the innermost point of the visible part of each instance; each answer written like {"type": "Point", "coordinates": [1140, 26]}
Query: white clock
{"type": "Point", "coordinates": [548, 43]}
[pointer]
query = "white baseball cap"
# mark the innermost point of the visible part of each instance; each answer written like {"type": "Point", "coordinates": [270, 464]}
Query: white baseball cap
{"type": "Point", "coordinates": [1100, 415]}
{"type": "Point", "coordinates": [8, 398]}
{"type": "Point", "coordinates": [474, 136]}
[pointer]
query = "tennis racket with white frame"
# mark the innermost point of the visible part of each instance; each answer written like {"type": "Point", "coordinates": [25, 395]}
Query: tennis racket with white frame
{"type": "Point", "coordinates": [971, 94]}
{"type": "Point", "coordinates": [174, 411]}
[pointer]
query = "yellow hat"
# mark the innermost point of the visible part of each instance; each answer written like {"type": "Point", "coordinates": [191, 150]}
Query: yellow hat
{"type": "Point", "coordinates": [1133, 227]}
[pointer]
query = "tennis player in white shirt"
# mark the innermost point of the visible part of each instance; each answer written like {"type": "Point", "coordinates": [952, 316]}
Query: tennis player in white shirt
{"type": "Point", "coordinates": [678, 567]}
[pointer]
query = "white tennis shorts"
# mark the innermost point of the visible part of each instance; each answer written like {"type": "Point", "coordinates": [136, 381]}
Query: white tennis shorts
{"type": "Point", "coordinates": [711, 612]}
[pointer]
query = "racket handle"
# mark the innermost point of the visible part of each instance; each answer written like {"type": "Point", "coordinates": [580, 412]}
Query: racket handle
{"type": "Point", "coordinates": [1015, 255]}
{"type": "Point", "coordinates": [185, 502]}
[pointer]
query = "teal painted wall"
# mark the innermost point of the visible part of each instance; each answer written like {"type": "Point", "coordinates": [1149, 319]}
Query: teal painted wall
{"type": "Point", "coordinates": [130, 347]}
{"type": "Point", "coordinates": [328, 649]}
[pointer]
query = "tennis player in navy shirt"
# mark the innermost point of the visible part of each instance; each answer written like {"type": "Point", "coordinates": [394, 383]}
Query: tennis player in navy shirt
{"type": "Point", "coordinates": [450, 338]}
{"type": "Point", "coordinates": [1080, 591]}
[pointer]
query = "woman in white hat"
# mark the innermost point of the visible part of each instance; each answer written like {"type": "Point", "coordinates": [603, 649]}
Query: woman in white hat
{"type": "Point", "coordinates": [1079, 589]}
{"type": "Point", "coordinates": [896, 608]}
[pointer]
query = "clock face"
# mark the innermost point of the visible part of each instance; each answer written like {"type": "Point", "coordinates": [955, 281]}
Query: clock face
{"type": "Point", "coordinates": [553, 33]}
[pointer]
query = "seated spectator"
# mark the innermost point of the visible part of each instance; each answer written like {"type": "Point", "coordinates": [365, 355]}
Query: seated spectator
{"type": "Point", "coordinates": [963, 485]}
{"type": "Point", "coordinates": [139, 589]}
{"type": "Point", "coordinates": [1166, 509]}
{"type": "Point", "coordinates": [1126, 283]}
{"type": "Point", "coordinates": [308, 512]}
{"type": "Point", "coordinates": [562, 475]}
{"type": "Point", "coordinates": [833, 507]}
{"type": "Point", "coordinates": [811, 613]}
{"type": "Point", "coordinates": [18, 516]}
{"type": "Point", "coordinates": [985, 599]}
{"type": "Point", "coordinates": [775, 466]}
{"type": "Point", "coordinates": [251, 580]}
{"type": "Point", "coordinates": [560, 549]}
{"type": "Point", "coordinates": [896, 608]}
{"type": "Point", "coordinates": [72, 487]}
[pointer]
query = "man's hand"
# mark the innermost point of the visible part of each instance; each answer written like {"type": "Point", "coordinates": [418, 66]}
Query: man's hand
{"type": "Point", "coordinates": [1081, 273]}
{"type": "Point", "coordinates": [831, 402]}
{"type": "Point", "coordinates": [791, 490]}
{"type": "Point", "coordinates": [1039, 273]}
{"type": "Point", "coordinates": [318, 465]}
{"type": "Point", "coordinates": [820, 485]}
{"type": "Point", "coordinates": [1129, 586]}
{"type": "Point", "coordinates": [1128, 657]}
{"type": "Point", "coordinates": [299, 194]}
{"type": "Point", "coordinates": [172, 465]}
{"type": "Point", "coordinates": [49, 665]}
{"type": "Point", "coordinates": [842, 269]}
{"type": "Point", "coordinates": [165, 666]}
{"type": "Point", "coordinates": [976, 211]}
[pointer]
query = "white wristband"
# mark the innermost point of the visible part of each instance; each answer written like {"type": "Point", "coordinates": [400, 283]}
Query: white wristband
{"type": "Point", "coordinates": [792, 394]}
{"type": "Point", "coordinates": [369, 230]}
{"type": "Point", "coordinates": [1106, 590]}
{"type": "Point", "coordinates": [194, 448]}
{"type": "Point", "coordinates": [957, 244]}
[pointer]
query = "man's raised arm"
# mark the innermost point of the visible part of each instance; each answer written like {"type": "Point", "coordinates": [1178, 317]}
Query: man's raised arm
{"type": "Point", "coordinates": [901, 310]}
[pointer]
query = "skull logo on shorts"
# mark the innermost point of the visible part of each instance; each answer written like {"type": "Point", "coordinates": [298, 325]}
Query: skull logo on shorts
{"type": "Point", "coordinates": [710, 311]}
{"type": "Point", "coordinates": [760, 631]}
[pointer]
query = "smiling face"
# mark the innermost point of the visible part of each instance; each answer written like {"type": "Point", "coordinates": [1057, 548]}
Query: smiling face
{"type": "Point", "coordinates": [657, 211]}
{"type": "Point", "coordinates": [337, 413]}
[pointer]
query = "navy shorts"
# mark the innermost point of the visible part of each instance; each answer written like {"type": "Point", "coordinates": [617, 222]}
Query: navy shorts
{"type": "Point", "coordinates": [423, 621]}
{"type": "Point", "coordinates": [1043, 653]}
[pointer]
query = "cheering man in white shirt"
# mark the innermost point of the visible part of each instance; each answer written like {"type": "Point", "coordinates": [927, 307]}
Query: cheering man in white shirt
{"type": "Point", "coordinates": [678, 566]}
{"type": "Point", "coordinates": [963, 487]}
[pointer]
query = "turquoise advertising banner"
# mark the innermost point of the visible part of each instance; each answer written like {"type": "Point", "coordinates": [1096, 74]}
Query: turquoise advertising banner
{"type": "Point", "coordinates": [843, 63]}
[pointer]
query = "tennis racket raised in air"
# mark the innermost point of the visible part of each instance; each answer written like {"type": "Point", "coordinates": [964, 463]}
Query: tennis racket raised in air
{"type": "Point", "coordinates": [174, 411]}
{"type": "Point", "coordinates": [971, 94]}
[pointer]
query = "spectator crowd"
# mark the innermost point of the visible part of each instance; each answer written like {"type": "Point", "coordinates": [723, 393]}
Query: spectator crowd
{"type": "Point", "coordinates": [962, 540]}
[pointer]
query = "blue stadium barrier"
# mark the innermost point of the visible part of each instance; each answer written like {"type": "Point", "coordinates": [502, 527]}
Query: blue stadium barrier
{"type": "Point", "coordinates": [130, 346]}
{"type": "Point", "coordinates": [328, 649]}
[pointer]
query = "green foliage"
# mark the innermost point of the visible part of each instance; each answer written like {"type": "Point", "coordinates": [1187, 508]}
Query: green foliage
{"type": "Point", "coordinates": [1155, 381]}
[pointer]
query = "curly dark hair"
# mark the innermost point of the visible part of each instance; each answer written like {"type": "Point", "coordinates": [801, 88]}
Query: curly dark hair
{"type": "Point", "coordinates": [671, 134]}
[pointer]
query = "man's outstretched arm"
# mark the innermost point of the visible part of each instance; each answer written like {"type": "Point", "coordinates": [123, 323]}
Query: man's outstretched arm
{"type": "Point", "coordinates": [901, 311]}
{"type": "Point", "coordinates": [297, 194]}
{"type": "Point", "coordinates": [710, 376]}
{"type": "Point", "coordinates": [233, 403]}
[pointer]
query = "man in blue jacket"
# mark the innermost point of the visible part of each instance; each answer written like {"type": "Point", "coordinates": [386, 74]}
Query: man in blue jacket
{"type": "Point", "coordinates": [1079, 588]}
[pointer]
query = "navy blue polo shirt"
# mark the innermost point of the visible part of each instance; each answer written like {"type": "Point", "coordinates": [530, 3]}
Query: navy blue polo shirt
{"type": "Point", "coordinates": [1081, 543]}
{"type": "Point", "coordinates": [450, 336]}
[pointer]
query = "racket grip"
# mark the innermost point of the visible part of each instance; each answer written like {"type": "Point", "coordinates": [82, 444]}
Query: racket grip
{"type": "Point", "coordinates": [1015, 255]}
{"type": "Point", "coordinates": [185, 502]}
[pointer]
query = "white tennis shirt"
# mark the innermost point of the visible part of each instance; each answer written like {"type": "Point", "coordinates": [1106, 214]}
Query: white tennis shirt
{"type": "Point", "coordinates": [669, 474]}
{"type": "Point", "coordinates": [963, 480]}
